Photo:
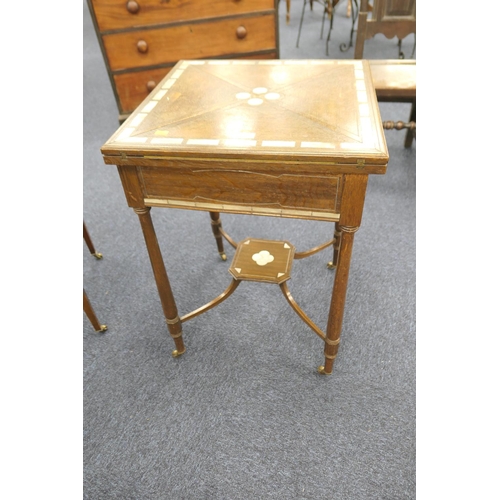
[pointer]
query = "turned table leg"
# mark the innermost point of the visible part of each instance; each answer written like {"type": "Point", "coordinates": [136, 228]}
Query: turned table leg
{"type": "Point", "coordinates": [90, 244]}
{"type": "Point", "coordinates": [335, 317]}
{"type": "Point", "coordinates": [162, 282]}
{"type": "Point", "coordinates": [336, 245]}
{"type": "Point", "coordinates": [91, 315]}
{"type": "Point", "coordinates": [351, 211]}
{"type": "Point", "coordinates": [216, 225]}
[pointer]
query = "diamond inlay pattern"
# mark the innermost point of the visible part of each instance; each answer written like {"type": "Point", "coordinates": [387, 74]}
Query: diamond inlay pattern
{"type": "Point", "coordinates": [269, 105]}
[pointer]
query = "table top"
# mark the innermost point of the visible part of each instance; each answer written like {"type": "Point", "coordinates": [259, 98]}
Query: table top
{"type": "Point", "coordinates": [394, 77]}
{"type": "Point", "coordinates": [324, 111]}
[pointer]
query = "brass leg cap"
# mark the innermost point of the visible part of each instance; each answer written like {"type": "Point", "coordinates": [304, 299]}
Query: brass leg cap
{"type": "Point", "coordinates": [223, 256]}
{"type": "Point", "coordinates": [176, 353]}
{"type": "Point", "coordinates": [103, 328]}
{"type": "Point", "coordinates": [321, 369]}
{"type": "Point", "coordinates": [331, 265]}
{"type": "Point", "coordinates": [97, 255]}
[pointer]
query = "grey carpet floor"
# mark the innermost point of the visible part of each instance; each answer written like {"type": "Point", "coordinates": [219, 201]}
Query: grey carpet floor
{"type": "Point", "coordinates": [243, 413]}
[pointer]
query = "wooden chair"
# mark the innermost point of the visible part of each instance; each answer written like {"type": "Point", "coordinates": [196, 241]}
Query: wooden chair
{"type": "Point", "coordinates": [394, 79]}
{"type": "Point", "coordinates": [394, 18]}
{"type": "Point", "coordinates": [87, 306]}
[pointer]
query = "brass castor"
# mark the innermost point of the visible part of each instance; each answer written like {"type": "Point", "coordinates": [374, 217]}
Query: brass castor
{"type": "Point", "coordinates": [321, 369]}
{"type": "Point", "coordinates": [223, 256]}
{"type": "Point", "coordinates": [331, 265]}
{"type": "Point", "coordinates": [97, 255]}
{"type": "Point", "coordinates": [176, 353]}
{"type": "Point", "coordinates": [103, 328]}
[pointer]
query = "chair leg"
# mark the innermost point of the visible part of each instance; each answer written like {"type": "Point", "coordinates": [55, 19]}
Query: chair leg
{"type": "Point", "coordinates": [301, 20]}
{"type": "Point", "coordinates": [323, 23]}
{"type": "Point", "coordinates": [89, 311]}
{"type": "Point", "coordinates": [331, 6]}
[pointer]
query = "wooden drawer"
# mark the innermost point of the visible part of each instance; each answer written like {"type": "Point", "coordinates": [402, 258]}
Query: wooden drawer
{"type": "Point", "coordinates": [124, 14]}
{"type": "Point", "coordinates": [266, 191]}
{"type": "Point", "coordinates": [132, 88]}
{"type": "Point", "coordinates": [190, 41]}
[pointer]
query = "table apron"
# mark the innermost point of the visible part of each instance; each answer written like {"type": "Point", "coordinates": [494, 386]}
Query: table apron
{"type": "Point", "coordinates": [247, 191]}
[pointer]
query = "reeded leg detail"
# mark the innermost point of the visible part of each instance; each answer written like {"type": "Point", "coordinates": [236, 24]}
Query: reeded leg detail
{"type": "Point", "coordinates": [216, 227]}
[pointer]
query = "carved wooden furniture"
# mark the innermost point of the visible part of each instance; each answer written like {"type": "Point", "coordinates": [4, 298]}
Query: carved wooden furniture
{"type": "Point", "coordinates": [87, 306]}
{"type": "Point", "coordinates": [262, 138]}
{"type": "Point", "coordinates": [392, 18]}
{"type": "Point", "coordinates": [395, 80]}
{"type": "Point", "coordinates": [142, 39]}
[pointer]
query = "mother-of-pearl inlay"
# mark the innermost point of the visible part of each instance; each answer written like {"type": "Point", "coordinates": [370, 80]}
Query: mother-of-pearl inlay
{"type": "Point", "coordinates": [257, 91]}
{"type": "Point", "coordinates": [262, 258]}
{"type": "Point", "coordinates": [256, 98]}
{"type": "Point", "coordinates": [255, 101]}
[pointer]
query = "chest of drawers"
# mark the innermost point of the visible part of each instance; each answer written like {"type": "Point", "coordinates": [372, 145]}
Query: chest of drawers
{"type": "Point", "coordinates": [142, 39]}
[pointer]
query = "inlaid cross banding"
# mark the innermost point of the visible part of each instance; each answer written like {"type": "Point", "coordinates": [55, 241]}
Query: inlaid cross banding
{"type": "Point", "coordinates": [256, 97]}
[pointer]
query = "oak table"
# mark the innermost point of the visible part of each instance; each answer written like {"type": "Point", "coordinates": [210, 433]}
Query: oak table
{"type": "Point", "coordinates": [283, 138]}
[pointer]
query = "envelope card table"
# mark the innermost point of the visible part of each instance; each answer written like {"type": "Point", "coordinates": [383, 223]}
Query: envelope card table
{"type": "Point", "coordinates": [282, 138]}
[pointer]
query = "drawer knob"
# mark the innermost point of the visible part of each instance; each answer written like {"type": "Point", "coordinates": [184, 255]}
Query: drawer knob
{"type": "Point", "coordinates": [241, 32]}
{"type": "Point", "coordinates": [132, 7]}
{"type": "Point", "coordinates": [142, 46]}
{"type": "Point", "coordinates": [151, 85]}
